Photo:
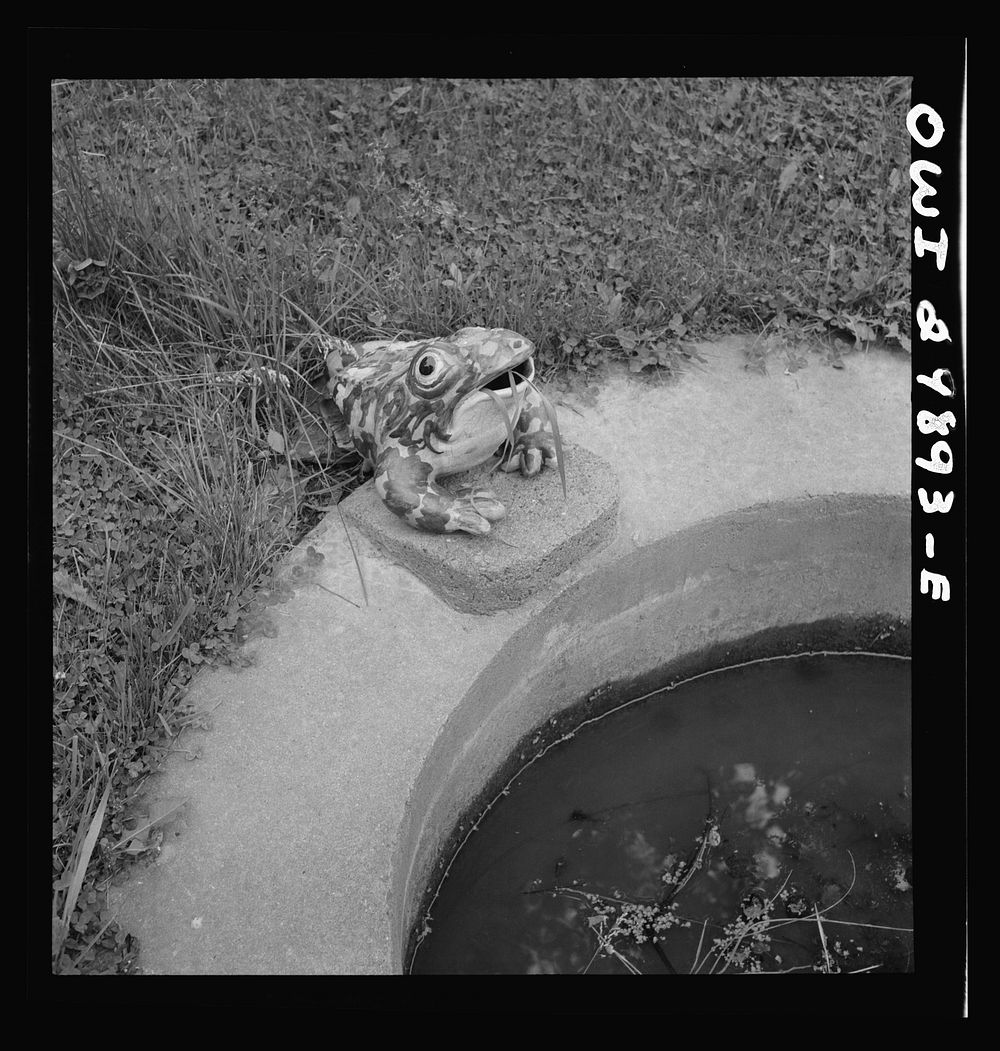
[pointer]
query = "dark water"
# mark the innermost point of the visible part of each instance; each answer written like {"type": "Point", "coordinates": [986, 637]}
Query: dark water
{"type": "Point", "coordinates": [753, 819]}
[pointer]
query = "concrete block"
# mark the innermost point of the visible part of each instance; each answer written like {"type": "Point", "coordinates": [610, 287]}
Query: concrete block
{"type": "Point", "coordinates": [543, 535]}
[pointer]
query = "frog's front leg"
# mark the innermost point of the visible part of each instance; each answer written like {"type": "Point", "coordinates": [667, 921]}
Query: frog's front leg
{"type": "Point", "coordinates": [406, 486]}
{"type": "Point", "coordinates": [534, 445]}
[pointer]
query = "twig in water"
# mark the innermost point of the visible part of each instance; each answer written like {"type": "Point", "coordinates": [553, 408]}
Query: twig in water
{"type": "Point", "coordinates": [822, 938]}
{"type": "Point", "coordinates": [697, 952]}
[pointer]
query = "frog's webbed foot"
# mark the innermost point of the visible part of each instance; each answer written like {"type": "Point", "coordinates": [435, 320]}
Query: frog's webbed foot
{"type": "Point", "coordinates": [476, 501]}
{"type": "Point", "coordinates": [530, 454]}
{"type": "Point", "coordinates": [404, 483]}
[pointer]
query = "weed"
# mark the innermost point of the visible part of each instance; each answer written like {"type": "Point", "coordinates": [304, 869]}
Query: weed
{"type": "Point", "coordinates": [750, 943]}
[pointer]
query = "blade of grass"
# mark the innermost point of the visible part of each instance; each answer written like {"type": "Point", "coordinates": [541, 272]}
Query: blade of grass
{"type": "Point", "coordinates": [550, 412]}
{"type": "Point", "coordinates": [357, 564]}
{"type": "Point", "coordinates": [337, 594]}
{"type": "Point", "coordinates": [516, 398]}
{"type": "Point", "coordinates": [506, 418]}
{"type": "Point", "coordinates": [176, 626]}
{"type": "Point", "coordinates": [83, 860]}
{"type": "Point", "coordinates": [93, 941]}
{"type": "Point", "coordinates": [152, 823]}
{"type": "Point", "coordinates": [65, 585]}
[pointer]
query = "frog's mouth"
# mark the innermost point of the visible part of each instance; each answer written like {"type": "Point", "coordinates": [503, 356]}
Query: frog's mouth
{"type": "Point", "coordinates": [506, 385]}
{"type": "Point", "coordinates": [522, 374]}
{"type": "Point", "coordinates": [477, 417]}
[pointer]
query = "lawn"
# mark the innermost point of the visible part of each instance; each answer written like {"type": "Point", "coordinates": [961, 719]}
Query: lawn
{"type": "Point", "coordinates": [207, 234]}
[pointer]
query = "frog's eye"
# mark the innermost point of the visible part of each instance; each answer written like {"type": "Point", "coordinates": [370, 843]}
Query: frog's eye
{"type": "Point", "coordinates": [428, 365]}
{"type": "Point", "coordinates": [428, 369]}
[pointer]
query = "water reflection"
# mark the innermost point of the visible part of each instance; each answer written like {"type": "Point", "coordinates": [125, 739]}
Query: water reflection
{"type": "Point", "coordinates": [754, 820]}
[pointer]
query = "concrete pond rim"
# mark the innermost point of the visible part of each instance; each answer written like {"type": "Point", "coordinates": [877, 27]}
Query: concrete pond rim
{"type": "Point", "coordinates": [827, 574]}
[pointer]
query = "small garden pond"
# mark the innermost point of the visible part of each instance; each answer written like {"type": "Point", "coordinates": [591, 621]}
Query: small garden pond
{"type": "Point", "coordinates": [750, 819]}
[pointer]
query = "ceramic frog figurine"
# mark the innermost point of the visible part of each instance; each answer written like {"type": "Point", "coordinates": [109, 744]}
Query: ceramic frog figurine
{"type": "Point", "coordinates": [416, 411]}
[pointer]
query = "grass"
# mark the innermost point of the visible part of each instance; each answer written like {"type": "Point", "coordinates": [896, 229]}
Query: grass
{"type": "Point", "coordinates": [207, 236]}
